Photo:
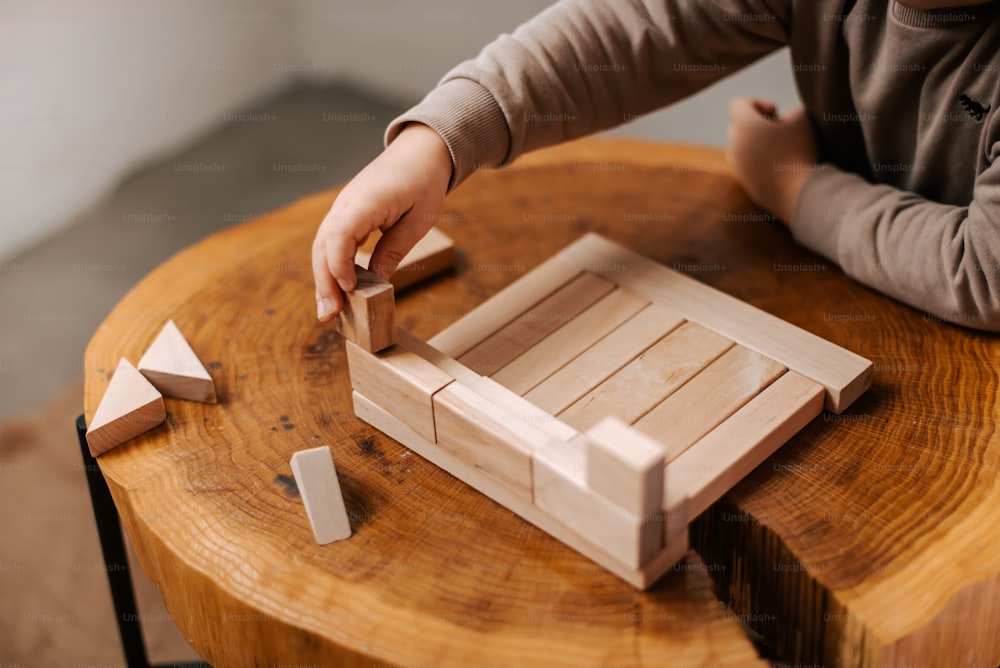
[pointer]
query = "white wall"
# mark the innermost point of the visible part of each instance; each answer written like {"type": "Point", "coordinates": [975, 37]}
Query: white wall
{"type": "Point", "coordinates": [92, 90]}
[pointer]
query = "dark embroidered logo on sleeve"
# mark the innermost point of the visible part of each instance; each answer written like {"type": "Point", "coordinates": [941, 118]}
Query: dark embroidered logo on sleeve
{"type": "Point", "coordinates": [975, 109]}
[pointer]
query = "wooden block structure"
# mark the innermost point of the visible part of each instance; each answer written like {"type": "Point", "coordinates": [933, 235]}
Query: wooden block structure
{"type": "Point", "coordinates": [368, 318]}
{"type": "Point", "coordinates": [316, 479]}
{"type": "Point", "coordinates": [174, 369]}
{"type": "Point", "coordinates": [130, 406]}
{"type": "Point", "coordinates": [433, 254]}
{"type": "Point", "coordinates": [606, 399]}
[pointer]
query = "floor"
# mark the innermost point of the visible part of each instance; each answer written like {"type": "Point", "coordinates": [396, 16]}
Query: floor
{"type": "Point", "coordinates": [56, 609]}
{"type": "Point", "coordinates": [54, 296]}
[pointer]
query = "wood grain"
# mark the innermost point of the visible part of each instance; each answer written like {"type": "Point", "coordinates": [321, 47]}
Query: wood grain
{"type": "Point", "coordinates": [865, 541]}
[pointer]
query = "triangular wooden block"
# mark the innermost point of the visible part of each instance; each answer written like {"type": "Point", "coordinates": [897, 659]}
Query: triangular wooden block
{"type": "Point", "coordinates": [171, 365]}
{"type": "Point", "coordinates": [130, 406]}
{"type": "Point", "coordinates": [319, 488]}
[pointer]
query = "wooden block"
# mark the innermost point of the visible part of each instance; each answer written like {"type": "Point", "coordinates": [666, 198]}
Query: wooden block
{"type": "Point", "coordinates": [597, 363]}
{"type": "Point", "coordinates": [433, 254]}
{"type": "Point", "coordinates": [641, 578]}
{"type": "Point", "coordinates": [316, 478]}
{"type": "Point", "coordinates": [130, 406]}
{"type": "Point", "coordinates": [476, 431]}
{"type": "Point", "coordinates": [399, 381]}
{"type": "Point", "coordinates": [625, 466]}
{"type": "Point", "coordinates": [844, 375]}
{"type": "Point", "coordinates": [174, 369]}
{"type": "Point", "coordinates": [560, 488]}
{"type": "Point", "coordinates": [369, 314]}
{"type": "Point", "coordinates": [530, 327]}
{"type": "Point", "coordinates": [512, 301]}
{"type": "Point", "coordinates": [650, 378]}
{"type": "Point", "coordinates": [522, 408]}
{"type": "Point", "coordinates": [559, 348]}
{"type": "Point", "coordinates": [720, 459]}
{"type": "Point", "coordinates": [709, 398]}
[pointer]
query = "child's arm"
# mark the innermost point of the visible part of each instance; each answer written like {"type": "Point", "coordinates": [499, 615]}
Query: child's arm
{"type": "Point", "coordinates": [939, 258]}
{"type": "Point", "coordinates": [578, 67]}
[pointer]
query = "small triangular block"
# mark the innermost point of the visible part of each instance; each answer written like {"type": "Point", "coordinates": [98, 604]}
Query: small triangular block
{"type": "Point", "coordinates": [129, 407]}
{"type": "Point", "coordinates": [172, 367]}
{"type": "Point", "coordinates": [319, 488]}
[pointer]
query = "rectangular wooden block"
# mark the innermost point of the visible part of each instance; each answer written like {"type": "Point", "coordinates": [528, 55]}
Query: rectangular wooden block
{"type": "Point", "coordinates": [400, 381]}
{"type": "Point", "coordinates": [433, 254]}
{"type": "Point", "coordinates": [625, 466]}
{"type": "Point", "coordinates": [487, 318]}
{"type": "Point", "coordinates": [650, 378]}
{"type": "Point", "coordinates": [597, 363]}
{"type": "Point", "coordinates": [316, 479]}
{"type": "Point", "coordinates": [844, 374]}
{"type": "Point", "coordinates": [450, 366]}
{"type": "Point", "coordinates": [560, 480]}
{"type": "Point", "coordinates": [530, 327]}
{"type": "Point", "coordinates": [369, 314]}
{"type": "Point", "coordinates": [478, 432]}
{"type": "Point", "coordinates": [723, 457]}
{"type": "Point", "coordinates": [557, 349]}
{"type": "Point", "coordinates": [709, 398]}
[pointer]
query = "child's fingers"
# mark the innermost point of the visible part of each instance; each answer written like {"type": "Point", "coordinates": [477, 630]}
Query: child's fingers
{"type": "Point", "coordinates": [329, 299]}
{"type": "Point", "coordinates": [397, 241]}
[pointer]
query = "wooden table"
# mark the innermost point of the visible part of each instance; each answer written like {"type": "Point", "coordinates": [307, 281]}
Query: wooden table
{"type": "Point", "coordinates": [870, 539]}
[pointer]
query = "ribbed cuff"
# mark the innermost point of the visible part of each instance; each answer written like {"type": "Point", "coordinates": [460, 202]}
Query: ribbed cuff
{"type": "Point", "coordinates": [937, 18]}
{"type": "Point", "coordinates": [819, 212]}
{"type": "Point", "coordinates": [469, 120]}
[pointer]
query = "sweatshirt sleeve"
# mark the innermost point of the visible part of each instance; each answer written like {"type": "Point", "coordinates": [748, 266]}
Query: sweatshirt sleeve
{"type": "Point", "coordinates": [942, 259]}
{"type": "Point", "coordinates": [586, 65]}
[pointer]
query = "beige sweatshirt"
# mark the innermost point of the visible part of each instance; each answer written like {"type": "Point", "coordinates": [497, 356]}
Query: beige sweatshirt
{"type": "Point", "coordinates": [904, 103]}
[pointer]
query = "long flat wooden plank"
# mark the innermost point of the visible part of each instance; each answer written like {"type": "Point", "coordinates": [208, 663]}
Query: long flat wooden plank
{"type": "Point", "coordinates": [720, 459]}
{"type": "Point", "coordinates": [650, 378]}
{"type": "Point", "coordinates": [597, 363]}
{"type": "Point", "coordinates": [398, 430]}
{"type": "Point", "coordinates": [530, 327]}
{"type": "Point", "coordinates": [706, 400]}
{"type": "Point", "coordinates": [522, 409]}
{"type": "Point", "coordinates": [559, 348]}
{"type": "Point", "coordinates": [843, 374]}
{"type": "Point", "coordinates": [501, 308]}
{"type": "Point", "coordinates": [477, 431]}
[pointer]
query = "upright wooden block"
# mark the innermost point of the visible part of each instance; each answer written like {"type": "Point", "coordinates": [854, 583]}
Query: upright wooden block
{"type": "Point", "coordinates": [316, 478]}
{"type": "Point", "coordinates": [174, 369]}
{"type": "Point", "coordinates": [130, 406]}
{"type": "Point", "coordinates": [560, 488]}
{"type": "Point", "coordinates": [479, 433]}
{"type": "Point", "coordinates": [369, 314]}
{"type": "Point", "coordinates": [399, 381]}
{"type": "Point", "coordinates": [625, 466]}
{"type": "Point", "coordinates": [433, 254]}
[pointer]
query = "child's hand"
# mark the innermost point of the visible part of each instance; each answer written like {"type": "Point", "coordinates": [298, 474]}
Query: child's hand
{"type": "Point", "coordinates": [400, 193]}
{"type": "Point", "coordinates": [772, 156]}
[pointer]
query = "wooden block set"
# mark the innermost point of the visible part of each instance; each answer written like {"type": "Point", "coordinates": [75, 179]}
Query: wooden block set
{"type": "Point", "coordinates": [603, 397]}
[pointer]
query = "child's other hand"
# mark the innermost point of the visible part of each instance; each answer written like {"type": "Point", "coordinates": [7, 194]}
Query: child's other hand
{"type": "Point", "coordinates": [772, 156]}
{"type": "Point", "coordinates": [400, 193]}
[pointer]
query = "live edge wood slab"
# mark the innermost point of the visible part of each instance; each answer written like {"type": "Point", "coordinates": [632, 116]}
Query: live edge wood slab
{"type": "Point", "coordinates": [867, 540]}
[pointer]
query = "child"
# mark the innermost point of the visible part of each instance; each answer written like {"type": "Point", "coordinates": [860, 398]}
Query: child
{"type": "Point", "coordinates": [887, 170]}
